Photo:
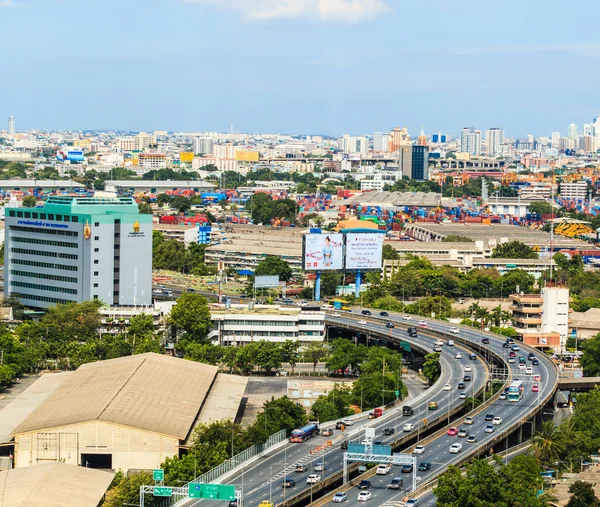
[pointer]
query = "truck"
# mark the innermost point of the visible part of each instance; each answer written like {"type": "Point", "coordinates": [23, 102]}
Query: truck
{"type": "Point", "coordinates": [407, 411]}
{"type": "Point", "coordinates": [307, 431]}
{"type": "Point", "coordinates": [377, 412]}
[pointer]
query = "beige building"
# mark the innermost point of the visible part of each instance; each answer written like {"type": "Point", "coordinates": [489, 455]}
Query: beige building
{"type": "Point", "coordinates": [125, 413]}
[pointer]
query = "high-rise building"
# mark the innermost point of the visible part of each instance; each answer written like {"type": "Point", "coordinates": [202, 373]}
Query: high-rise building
{"type": "Point", "coordinates": [11, 125]}
{"type": "Point", "coordinates": [420, 162]}
{"type": "Point", "coordinates": [405, 167]}
{"type": "Point", "coordinates": [439, 138]}
{"type": "Point", "coordinates": [399, 137]}
{"type": "Point", "coordinates": [79, 248]}
{"type": "Point", "coordinates": [470, 141]}
{"type": "Point", "coordinates": [572, 131]}
{"type": "Point", "coordinates": [588, 129]}
{"type": "Point", "coordinates": [381, 141]}
{"type": "Point", "coordinates": [555, 139]}
{"type": "Point", "coordinates": [422, 139]}
{"type": "Point", "coordinates": [354, 144]}
{"type": "Point", "coordinates": [494, 139]}
{"type": "Point", "coordinates": [202, 145]}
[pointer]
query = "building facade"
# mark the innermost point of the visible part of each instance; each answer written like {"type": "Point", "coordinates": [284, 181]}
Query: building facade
{"type": "Point", "coordinates": [79, 248]}
{"type": "Point", "coordinates": [420, 163]}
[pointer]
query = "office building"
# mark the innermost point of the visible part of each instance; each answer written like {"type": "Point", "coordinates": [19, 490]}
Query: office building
{"type": "Point", "coordinates": [381, 141]}
{"type": "Point", "coordinates": [404, 158]}
{"type": "Point", "coordinates": [555, 139]}
{"type": "Point", "coordinates": [79, 248]}
{"type": "Point", "coordinates": [420, 163]}
{"type": "Point", "coordinates": [470, 141]}
{"type": "Point", "coordinates": [494, 139]}
{"type": "Point", "coordinates": [399, 137]}
{"type": "Point", "coordinates": [11, 125]}
{"type": "Point", "coordinates": [202, 145]}
{"type": "Point", "coordinates": [572, 131]}
{"type": "Point", "coordinates": [439, 138]}
{"type": "Point", "coordinates": [354, 144]}
{"type": "Point", "coordinates": [588, 129]}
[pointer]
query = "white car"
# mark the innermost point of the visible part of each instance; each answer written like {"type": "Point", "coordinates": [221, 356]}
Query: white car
{"type": "Point", "coordinates": [340, 497]}
{"type": "Point", "coordinates": [408, 427]}
{"type": "Point", "coordinates": [437, 348]}
{"type": "Point", "coordinates": [469, 420]}
{"type": "Point", "coordinates": [383, 469]}
{"type": "Point", "coordinates": [363, 496]}
{"type": "Point", "coordinates": [439, 342]}
{"type": "Point", "coordinates": [454, 330]}
{"type": "Point", "coordinates": [468, 368]}
{"type": "Point", "coordinates": [313, 479]}
{"type": "Point", "coordinates": [450, 343]}
{"type": "Point", "coordinates": [511, 360]}
{"type": "Point", "coordinates": [458, 355]}
{"type": "Point", "coordinates": [336, 314]}
{"type": "Point", "coordinates": [447, 387]}
{"type": "Point", "coordinates": [362, 322]}
{"type": "Point", "coordinates": [462, 396]}
{"type": "Point", "coordinates": [419, 449]}
{"type": "Point", "coordinates": [455, 448]}
{"type": "Point", "coordinates": [522, 366]}
{"type": "Point", "coordinates": [529, 370]}
{"type": "Point", "coordinates": [348, 422]}
{"type": "Point", "coordinates": [496, 421]}
{"type": "Point", "coordinates": [406, 317]}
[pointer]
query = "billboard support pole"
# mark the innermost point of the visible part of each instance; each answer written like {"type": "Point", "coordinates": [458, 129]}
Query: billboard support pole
{"type": "Point", "coordinates": [357, 287]}
{"type": "Point", "coordinates": [318, 287]}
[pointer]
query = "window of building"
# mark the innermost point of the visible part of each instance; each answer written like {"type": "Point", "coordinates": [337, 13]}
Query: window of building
{"type": "Point", "coordinates": [67, 218]}
{"type": "Point", "coordinates": [116, 282]}
{"type": "Point", "coordinates": [96, 261]}
{"type": "Point", "coordinates": [95, 285]}
{"type": "Point", "coordinates": [116, 293]}
{"type": "Point", "coordinates": [117, 235]}
{"type": "Point", "coordinates": [35, 215]}
{"type": "Point", "coordinates": [96, 238]}
{"type": "Point", "coordinates": [74, 219]}
{"type": "Point", "coordinates": [95, 273]}
{"type": "Point", "coordinates": [11, 213]}
{"type": "Point", "coordinates": [117, 221]}
{"type": "Point", "coordinates": [48, 242]}
{"type": "Point", "coordinates": [116, 270]}
{"type": "Point", "coordinates": [19, 214]}
{"type": "Point", "coordinates": [59, 218]}
{"type": "Point", "coordinates": [43, 216]}
{"type": "Point", "coordinates": [95, 296]}
{"type": "Point", "coordinates": [96, 224]}
{"type": "Point", "coordinates": [96, 250]}
{"type": "Point", "coordinates": [117, 247]}
{"type": "Point", "coordinates": [27, 214]}
{"type": "Point", "coordinates": [50, 217]}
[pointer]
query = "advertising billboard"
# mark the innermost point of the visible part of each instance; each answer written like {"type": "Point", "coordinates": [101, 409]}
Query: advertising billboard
{"type": "Point", "coordinates": [247, 156]}
{"type": "Point", "coordinates": [364, 250]}
{"type": "Point", "coordinates": [186, 156]}
{"type": "Point", "coordinates": [323, 252]}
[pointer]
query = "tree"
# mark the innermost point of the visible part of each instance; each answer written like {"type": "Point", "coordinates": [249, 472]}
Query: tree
{"type": "Point", "coordinates": [547, 446]}
{"type": "Point", "coordinates": [289, 352]}
{"type": "Point", "coordinates": [274, 265]}
{"type": "Point", "coordinates": [514, 250]}
{"type": "Point", "coordinates": [590, 361]}
{"type": "Point", "coordinates": [456, 238]}
{"type": "Point", "coordinates": [126, 490]}
{"type": "Point", "coordinates": [431, 367]}
{"type": "Point", "coordinates": [29, 201]}
{"type": "Point", "coordinates": [541, 207]}
{"type": "Point", "coordinates": [390, 253]}
{"type": "Point", "coordinates": [582, 495]}
{"type": "Point", "coordinates": [190, 317]}
{"type": "Point", "coordinates": [330, 280]}
{"type": "Point", "coordinates": [315, 352]}
{"type": "Point", "coordinates": [145, 208]}
{"type": "Point", "coordinates": [181, 204]}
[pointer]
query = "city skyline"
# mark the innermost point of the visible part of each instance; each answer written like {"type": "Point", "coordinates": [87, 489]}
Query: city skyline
{"type": "Point", "coordinates": [299, 66]}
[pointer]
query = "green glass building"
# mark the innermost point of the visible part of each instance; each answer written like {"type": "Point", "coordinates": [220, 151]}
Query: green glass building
{"type": "Point", "coordinates": [79, 248]}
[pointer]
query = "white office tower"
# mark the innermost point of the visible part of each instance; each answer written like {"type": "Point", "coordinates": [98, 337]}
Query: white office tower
{"type": "Point", "coordinates": [202, 145]}
{"type": "Point", "coordinates": [588, 129]}
{"type": "Point", "coordinates": [572, 131]}
{"type": "Point", "coordinates": [555, 316]}
{"type": "Point", "coordinates": [11, 124]}
{"type": "Point", "coordinates": [555, 139]}
{"type": "Point", "coordinates": [355, 144]}
{"type": "Point", "coordinates": [470, 141]}
{"type": "Point", "coordinates": [381, 141]}
{"type": "Point", "coordinates": [494, 139]}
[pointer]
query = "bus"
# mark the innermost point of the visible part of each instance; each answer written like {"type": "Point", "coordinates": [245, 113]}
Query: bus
{"type": "Point", "coordinates": [515, 390]}
{"type": "Point", "coordinates": [340, 304]}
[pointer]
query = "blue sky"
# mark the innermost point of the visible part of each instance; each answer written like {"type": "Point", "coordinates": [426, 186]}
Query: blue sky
{"type": "Point", "coordinates": [300, 66]}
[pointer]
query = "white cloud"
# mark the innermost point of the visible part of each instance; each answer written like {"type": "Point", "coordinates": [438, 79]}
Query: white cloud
{"type": "Point", "coordinates": [345, 11]}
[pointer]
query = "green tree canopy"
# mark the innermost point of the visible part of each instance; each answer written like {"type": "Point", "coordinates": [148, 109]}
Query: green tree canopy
{"type": "Point", "coordinates": [582, 495]}
{"type": "Point", "coordinates": [274, 265]}
{"type": "Point", "coordinates": [514, 250]}
{"type": "Point", "coordinates": [190, 317]}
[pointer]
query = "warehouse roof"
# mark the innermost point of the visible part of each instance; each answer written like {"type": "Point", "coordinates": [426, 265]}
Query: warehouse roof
{"type": "Point", "coordinates": [382, 198]}
{"type": "Point", "coordinates": [150, 392]}
{"type": "Point", "coordinates": [53, 485]}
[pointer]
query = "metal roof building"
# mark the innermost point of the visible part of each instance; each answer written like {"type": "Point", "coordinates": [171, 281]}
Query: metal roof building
{"type": "Point", "coordinates": [53, 485]}
{"type": "Point", "coordinates": [130, 412]}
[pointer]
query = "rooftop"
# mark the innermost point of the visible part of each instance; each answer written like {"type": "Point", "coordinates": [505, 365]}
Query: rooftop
{"type": "Point", "coordinates": [90, 205]}
{"type": "Point", "coordinates": [425, 199]}
{"type": "Point", "coordinates": [53, 485]}
{"type": "Point", "coordinates": [151, 392]}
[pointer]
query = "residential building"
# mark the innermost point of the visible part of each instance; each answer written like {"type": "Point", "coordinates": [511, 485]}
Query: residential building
{"type": "Point", "coordinates": [494, 139]}
{"type": "Point", "coordinates": [225, 150]}
{"type": "Point", "coordinates": [355, 144]}
{"type": "Point", "coordinates": [555, 139]}
{"type": "Point", "coordinates": [381, 141]}
{"type": "Point", "coordinates": [151, 161]}
{"type": "Point", "coordinates": [572, 131]}
{"type": "Point", "coordinates": [399, 138]}
{"type": "Point", "coordinates": [420, 162]}
{"type": "Point", "coordinates": [202, 145]}
{"type": "Point", "coordinates": [470, 141]}
{"type": "Point", "coordinates": [186, 234]}
{"type": "Point", "coordinates": [574, 190]}
{"type": "Point", "coordinates": [79, 248]}
{"type": "Point", "coordinates": [542, 320]}
{"type": "Point", "coordinates": [11, 125]}
{"type": "Point", "coordinates": [241, 324]}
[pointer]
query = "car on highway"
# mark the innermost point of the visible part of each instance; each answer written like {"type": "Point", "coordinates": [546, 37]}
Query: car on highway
{"type": "Point", "coordinates": [288, 482]}
{"type": "Point", "coordinates": [462, 396]}
{"type": "Point", "coordinates": [515, 348]}
{"type": "Point", "coordinates": [452, 431]}
{"type": "Point", "coordinates": [535, 388]}
{"type": "Point", "coordinates": [506, 345]}
{"type": "Point", "coordinates": [535, 362]}
{"type": "Point", "coordinates": [406, 317]}
{"type": "Point", "coordinates": [339, 425]}
{"type": "Point", "coordinates": [424, 466]}
{"type": "Point", "coordinates": [529, 370]}
{"type": "Point", "coordinates": [365, 312]}
{"type": "Point", "coordinates": [348, 422]}
{"type": "Point", "coordinates": [313, 479]}
{"type": "Point", "coordinates": [364, 496]}
{"type": "Point", "coordinates": [437, 348]}
{"type": "Point", "coordinates": [490, 428]}
{"type": "Point", "coordinates": [489, 417]}
{"type": "Point", "coordinates": [383, 470]}
{"type": "Point", "coordinates": [522, 366]}
{"type": "Point", "coordinates": [502, 396]}
{"type": "Point", "coordinates": [419, 449]}
{"type": "Point", "coordinates": [340, 497]}
{"type": "Point", "coordinates": [406, 469]}
{"type": "Point", "coordinates": [300, 468]}
{"type": "Point", "coordinates": [422, 323]}
{"type": "Point", "coordinates": [389, 431]}
{"type": "Point", "coordinates": [455, 448]}
{"type": "Point", "coordinates": [265, 503]}
{"type": "Point", "coordinates": [531, 356]}
{"type": "Point", "coordinates": [397, 483]}
{"type": "Point", "coordinates": [461, 385]}
{"type": "Point", "coordinates": [473, 356]}
{"type": "Point", "coordinates": [344, 445]}
{"type": "Point", "coordinates": [447, 387]}
{"type": "Point", "coordinates": [537, 378]}
{"type": "Point", "coordinates": [408, 427]}
{"type": "Point", "coordinates": [319, 466]}
{"type": "Point", "coordinates": [458, 355]}
{"type": "Point", "coordinates": [384, 314]}
{"type": "Point", "coordinates": [450, 343]}
{"type": "Point", "coordinates": [454, 330]}
{"type": "Point", "coordinates": [362, 322]}
{"type": "Point", "coordinates": [411, 502]}
{"type": "Point", "coordinates": [364, 484]}
{"type": "Point", "coordinates": [512, 353]}
{"type": "Point", "coordinates": [468, 368]}
{"type": "Point", "coordinates": [432, 405]}
{"type": "Point", "coordinates": [327, 432]}
{"type": "Point", "coordinates": [335, 314]}
{"type": "Point", "coordinates": [485, 341]}
{"type": "Point", "coordinates": [463, 433]}
{"type": "Point", "coordinates": [471, 439]}
{"type": "Point", "coordinates": [467, 378]}
{"type": "Point", "coordinates": [469, 420]}
{"type": "Point", "coordinates": [511, 360]}
{"type": "Point", "coordinates": [390, 325]}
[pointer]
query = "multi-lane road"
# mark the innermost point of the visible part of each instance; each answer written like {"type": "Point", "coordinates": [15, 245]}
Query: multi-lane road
{"type": "Point", "coordinates": [262, 480]}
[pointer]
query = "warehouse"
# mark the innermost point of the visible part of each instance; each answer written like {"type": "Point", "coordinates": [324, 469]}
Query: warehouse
{"type": "Point", "coordinates": [125, 413]}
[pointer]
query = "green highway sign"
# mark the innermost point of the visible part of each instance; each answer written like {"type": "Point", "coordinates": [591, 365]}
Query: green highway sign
{"type": "Point", "coordinates": [158, 474]}
{"type": "Point", "coordinates": [397, 392]}
{"type": "Point", "coordinates": [405, 346]}
{"type": "Point", "coordinates": [162, 491]}
{"type": "Point", "coordinates": [211, 491]}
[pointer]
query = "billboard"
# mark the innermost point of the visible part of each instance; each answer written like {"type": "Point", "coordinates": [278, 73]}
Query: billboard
{"type": "Point", "coordinates": [364, 250]}
{"type": "Point", "coordinates": [266, 282]}
{"type": "Point", "coordinates": [323, 252]}
{"type": "Point", "coordinates": [247, 156]}
{"type": "Point", "coordinates": [186, 156]}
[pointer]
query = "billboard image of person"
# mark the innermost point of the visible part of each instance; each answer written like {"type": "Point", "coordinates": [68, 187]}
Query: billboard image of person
{"type": "Point", "coordinates": [364, 250]}
{"type": "Point", "coordinates": [323, 252]}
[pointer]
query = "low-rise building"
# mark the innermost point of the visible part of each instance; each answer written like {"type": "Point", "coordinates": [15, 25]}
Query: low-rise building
{"type": "Point", "coordinates": [186, 234]}
{"type": "Point", "coordinates": [242, 324]}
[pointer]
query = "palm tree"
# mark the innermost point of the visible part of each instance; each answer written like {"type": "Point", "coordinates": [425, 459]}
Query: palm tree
{"type": "Point", "coordinates": [497, 315]}
{"type": "Point", "coordinates": [473, 309]}
{"type": "Point", "coordinates": [483, 315]}
{"type": "Point", "coordinates": [548, 444]}
{"type": "Point", "coordinates": [505, 317]}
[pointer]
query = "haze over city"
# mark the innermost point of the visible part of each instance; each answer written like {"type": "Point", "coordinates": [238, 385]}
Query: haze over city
{"type": "Point", "coordinates": [298, 66]}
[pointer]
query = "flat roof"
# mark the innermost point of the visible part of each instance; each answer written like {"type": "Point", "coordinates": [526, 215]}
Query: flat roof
{"type": "Point", "coordinates": [40, 183]}
{"type": "Point", "coordinates": [53, 485]}
{"type": "Point", "coordinates": [223, 401]}
{"type": "Point", "coordinates": [382, 198]}
{"type": "Point", "coordinates": [26, 402]}
{"type": "Point", "coordinates": [151, 392]}
{"type": "Point", "coordinates": [159, 184]}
